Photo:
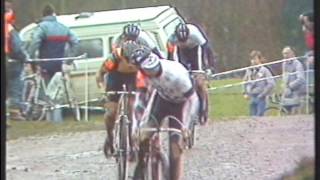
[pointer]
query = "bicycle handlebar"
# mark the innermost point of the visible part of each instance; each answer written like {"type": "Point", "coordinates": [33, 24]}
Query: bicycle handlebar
{"type": "Point", "coordinates": [161, 130]}
{"type": "Point", "coordinates": [198, 71]}
{"type": "Point", "coordinates": [119, 92]}
{"type": "Point", "coordinates": [165, 129]}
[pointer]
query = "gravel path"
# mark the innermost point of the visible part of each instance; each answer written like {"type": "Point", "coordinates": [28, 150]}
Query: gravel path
{"type": "Point", "coordinates": [243, 149]}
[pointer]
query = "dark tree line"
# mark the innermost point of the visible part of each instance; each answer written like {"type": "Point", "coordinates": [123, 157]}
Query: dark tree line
{"type": "Point", "coordinates": [235, 27]}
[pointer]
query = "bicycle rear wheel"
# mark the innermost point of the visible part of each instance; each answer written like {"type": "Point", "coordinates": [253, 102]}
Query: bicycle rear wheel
{"type": "Point", "coordinates": [31, 110]}
{"type": "Point", "coordinates": [35, 112]}
{"type": "Point", "coordinates": [123, 150]}
{"type": "Point", "coordinates": [275, 111]}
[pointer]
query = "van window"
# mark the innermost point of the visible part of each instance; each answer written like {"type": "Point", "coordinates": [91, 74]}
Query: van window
{"type": "Point", "coordinates": [93, 47]}
{"type": "Point", "coordinates": [156, 38]}
{"type": "Point", "coordinates": [171, 26]}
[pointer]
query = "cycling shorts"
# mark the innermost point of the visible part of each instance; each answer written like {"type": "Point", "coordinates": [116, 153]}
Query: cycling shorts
{"type": "Point", "coordinates": [116, 79]}
{"type": "Point", "coordinates": [160, 108]}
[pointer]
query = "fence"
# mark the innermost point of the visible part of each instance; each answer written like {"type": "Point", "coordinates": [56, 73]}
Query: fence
{"type": "Point", "coordinates": [226, 80]}
{"type": "Point", "coordinates": [229, 84]}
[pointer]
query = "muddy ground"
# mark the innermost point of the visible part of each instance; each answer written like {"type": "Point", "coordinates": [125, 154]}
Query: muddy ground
{"type": "Point", "coordinates": [242, 149]}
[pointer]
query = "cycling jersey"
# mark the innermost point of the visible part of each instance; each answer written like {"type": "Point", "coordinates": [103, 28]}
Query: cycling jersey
{"type": "Point", "coordinates": [195, 53]}
{"type": "Point", "coordinates": [118, 64]}
{"type": "Point", "coordinates": [196, 38]}
{"type": "Point", "coordinates": [143, 39]}
{"type": "Point", "coordinates": [174, 83]}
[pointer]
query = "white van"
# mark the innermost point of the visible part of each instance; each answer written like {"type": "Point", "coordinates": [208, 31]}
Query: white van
{"type": "Point", "coordinates": [96, 31]}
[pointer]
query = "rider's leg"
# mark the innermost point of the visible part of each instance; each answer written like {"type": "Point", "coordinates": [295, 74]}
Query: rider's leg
{"type": "Point", "coordinates": [109, 117]}
{"type": "Point", "coordinates": [176, 161]}
{"type": "Point", "coordinates": [203, 95]}
{"type": "Point", "coordinates": [141, 164]}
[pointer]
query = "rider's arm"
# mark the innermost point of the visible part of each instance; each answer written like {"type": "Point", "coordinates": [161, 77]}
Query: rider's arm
{"type": "Point", "coordinates": [109, 65]}
{"type": "Point", "coordinates": [99, 76]}
{"type": "Point", "coordinates": [200, 58]}
{"type": "Point", "coordinates": [172, 48]}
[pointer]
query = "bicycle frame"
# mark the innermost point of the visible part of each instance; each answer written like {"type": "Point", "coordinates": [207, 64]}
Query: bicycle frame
{"type": "Point", "coordinates": [121, 131]}
{"type": "Point", "coordinates": [39, 83]}
{"type": "Point", "coordinates": [157, 158]}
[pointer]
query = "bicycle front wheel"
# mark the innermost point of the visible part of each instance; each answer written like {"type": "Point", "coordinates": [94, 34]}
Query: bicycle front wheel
{"type": "Point", "coordinates": [192, 134]}
{"type": "Point", "coordinates": [159, 166]}
{"type": "Point", "coordinates": [123, 149]}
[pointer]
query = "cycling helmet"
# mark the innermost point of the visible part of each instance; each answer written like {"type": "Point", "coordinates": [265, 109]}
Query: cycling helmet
{"type": "Point", "coordinates": [128, 47]}
{"type": "Point", "coordinates": [131, 31]}
{"type": "Point", "coordinates": [182, 32]}
{"type": "Point", "coordinates": [146, 61]}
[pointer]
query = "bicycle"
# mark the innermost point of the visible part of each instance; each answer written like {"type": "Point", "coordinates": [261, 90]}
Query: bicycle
{"type": "Point", "coordinates": [201, 76]}
{"type": "Point", "coordinates": [121, 132]}
{"type": "Point", "coordinates": [36, 100]}
{"type": "Point", "coordinates": [277, 108]}
{"type": "Point", "coordinates": [158, 159]}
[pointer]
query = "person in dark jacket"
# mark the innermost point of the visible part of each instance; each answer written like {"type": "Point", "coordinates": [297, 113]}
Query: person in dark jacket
{"type": "Point", "coordinates": [15, 56]}
{"type": "Point", "coordinates": [50, 39]}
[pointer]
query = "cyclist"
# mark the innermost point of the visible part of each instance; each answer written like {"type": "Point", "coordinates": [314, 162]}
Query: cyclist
{"type": "Point", "coordinates": [189, 46]}
{"type": "Point", "coordinates": [113, 73]}
{"type": "Point", "coordinates": [175, 95]}
{"type": "Point", "coordinates": [132, 32]}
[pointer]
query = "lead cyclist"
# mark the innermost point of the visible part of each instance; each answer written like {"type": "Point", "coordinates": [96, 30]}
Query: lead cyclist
{"type": "Point", "coordinates": [175, 96]}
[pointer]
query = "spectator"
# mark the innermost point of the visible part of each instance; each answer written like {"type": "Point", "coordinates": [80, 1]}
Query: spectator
{"type": "Point", "coordinates": [255, 89]}
{"type": "Point", "coordinates": [15, 56]}
{"type": "Point", "coordinates": [50, 39]}
{"type": "Point", "coordinates": [293, 81]}
{"type": "Point", "coordinates": [307, 23]}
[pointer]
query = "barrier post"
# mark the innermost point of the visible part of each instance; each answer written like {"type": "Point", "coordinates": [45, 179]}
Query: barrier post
{"type": "Point", "coordinates": [86, 93]}
{"type": "Point", "coordinates": [307, 85]}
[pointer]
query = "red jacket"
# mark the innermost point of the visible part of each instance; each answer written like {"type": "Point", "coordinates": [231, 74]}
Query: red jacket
{"type": "Point", "coordinates": [309, 39]}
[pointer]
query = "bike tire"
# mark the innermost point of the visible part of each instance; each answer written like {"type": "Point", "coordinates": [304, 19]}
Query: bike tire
{"type": "Point", "coordinates": [123, 149]}
{"type": "Point", "coordinates": [75, 109]}
{"type": "Point", "coordinates": [275, 111]}
{"type": "Point", "coordinates": [160, 166]}
{"type": "Point", "coordinates": [191, 137]}
{"type": "Point", "coordinates": [31, 110]}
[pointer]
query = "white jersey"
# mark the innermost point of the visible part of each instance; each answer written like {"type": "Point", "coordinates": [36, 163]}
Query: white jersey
{"type": "Point", "coordinates": [196, 38]}
{"type": "Point", "coordinates": [173, 83]}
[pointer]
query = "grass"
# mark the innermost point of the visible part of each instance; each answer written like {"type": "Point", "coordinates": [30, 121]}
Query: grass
{"type": "Point", "coordinates": [225, 104]}
{"type": "Point", "coordinates": [38, 128]}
